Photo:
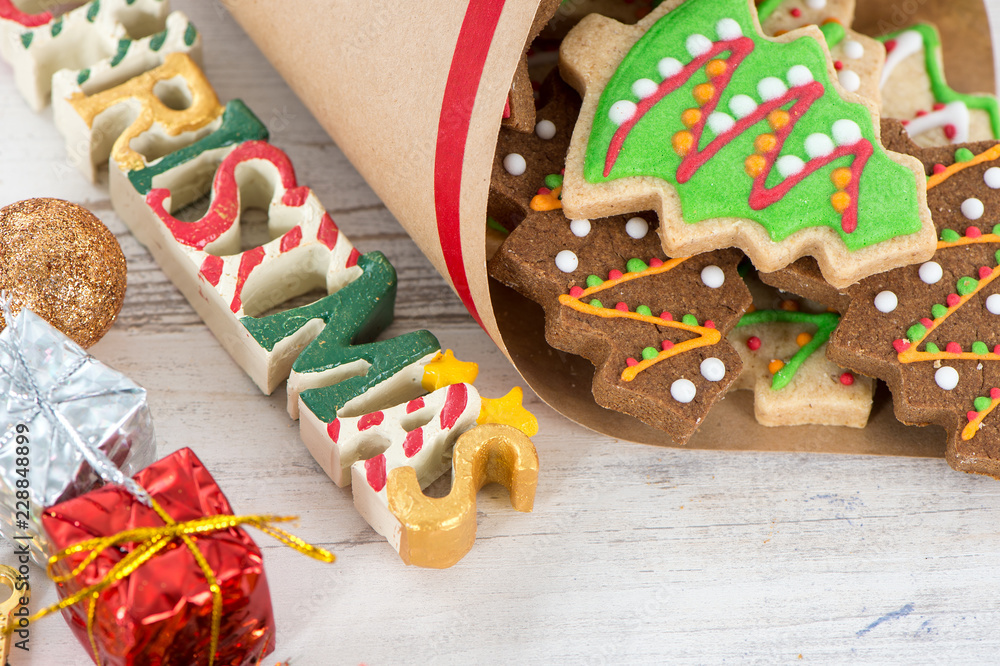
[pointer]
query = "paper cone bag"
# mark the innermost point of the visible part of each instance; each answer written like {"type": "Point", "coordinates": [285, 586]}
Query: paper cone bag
{"type": "Point", "coordinates": [414, 93]}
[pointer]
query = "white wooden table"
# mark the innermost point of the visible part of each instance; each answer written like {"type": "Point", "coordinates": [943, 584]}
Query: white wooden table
{"type": "Point", "coordinates": [633, 553]}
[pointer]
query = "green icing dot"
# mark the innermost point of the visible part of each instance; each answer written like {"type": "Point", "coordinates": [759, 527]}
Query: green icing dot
{"type": "Point", "coordinates": [981, 403]}
{"type": "Point", "coordinates": [82, 77]}
{"type": "Point", "coordinates": [996, 231]}
{"type": "Point", "coordinates": [938, 310]}
{"type": "Point", "coordinates": [950, 236]}
{"type": "Point", "coordinates": [156, 41]}
{"type": "Point", "coordinates": [966, 285]}
{"type": "Point", "coordinates": [95, 7]}
{"type": "Point", "coordinates": [190, 34]}
{"type": "Point", "coordinates": [916, 332]}
{"type": "Point", "coordinates": [980, 348]}
{"type": "Point", "coordinates": [932, 348]}
{"type": "Point", "coordinates": [594, 281]}
{"type": "Point", "coordinates": [996, 255]}
{"type": "Point", "coordinates": [636, 266]}
{"type": "Point", "coordinates": [963, 155]}
{"type": "Point", "coordinates": [57, 28]}
{"type": "Point", "coordinates": [26, 38]}
{"type": "Point", "coordinates": [644, 311]}
{"type": "Point", "coordinates": [649, 353]}
{"type": "Point", "coordinates": [690, 320]}
{"type": "Point", "coordinates": [553, 180]}
{"type": "Point", "coordinates": [833, 32]}
{"type": "Point", "coordinates": [594, 303]}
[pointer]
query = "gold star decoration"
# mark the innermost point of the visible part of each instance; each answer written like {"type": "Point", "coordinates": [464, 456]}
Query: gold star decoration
{"type": "Point", "coordinates": [509, 411]}
{"type": "Point", "coordinates": [445, 370]}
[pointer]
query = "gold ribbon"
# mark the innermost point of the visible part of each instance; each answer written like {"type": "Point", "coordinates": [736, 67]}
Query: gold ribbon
{"type": "Point", "coordinates": [151, 541]}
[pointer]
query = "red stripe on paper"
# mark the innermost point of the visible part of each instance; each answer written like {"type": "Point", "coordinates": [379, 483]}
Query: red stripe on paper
{"type": "Point", "coordinates": [474, 40]}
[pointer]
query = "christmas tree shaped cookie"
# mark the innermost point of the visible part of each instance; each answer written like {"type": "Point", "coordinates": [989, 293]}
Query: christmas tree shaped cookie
{"type": "Point", "coordinates": [914, 90]}
{"type": "Point", "coordinates": [783, 346]}
{"type": "Point", "coordinates": [736, 139]}
{"type": "Point", "coordinates": [932, 330]}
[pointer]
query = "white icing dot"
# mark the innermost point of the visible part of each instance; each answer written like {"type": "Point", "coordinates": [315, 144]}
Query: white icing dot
{"type": "Point", "coordinates": [789, 165]}
{"type": "Point", "coordinates": [930, 272]}
{"type": "Point", "coordinates": [742, 105]}
{"type": "Point", "coordinates": [545, 129]}
{"type": "Point", "coordinates": [580, 228]}
{"type": "Point", "coordinates": [713, 369]}
{"type": "Point", "coordinates": [973, 208]}
{"type": "Point", "coordinates": [720, 122]}
{"type": "Point", "coordinates": [566, 261]}
{"type": "Point", "coordinates": [515, 164]}
{"type": "Point", "coordinates": [728, 29]}
{"type": "Point", "coordinates": [771, 88]}
{"type": "Point", "coordinates": [846, 132]}
{"type": "Point", "coordinates": [816, 4]}
{"type": "Point", "coordinates": [621, 111]}
{"type": "Point", "coordinates": [637, 228]}
{"type": "Point", "coordinates": [886, 302]}
{"type": "Point", "coordinates": [992, 178]}
{"type": "Point", "coordinates": [683, 390]}
{"type": "Point", "coordinates": [669, 67]}
{"type": "Point", "coordinates": [818, 145]}
{"type": "Point", "coordinates": [946, 377]}
{"type": "Point", "coordinates": [643, 88]}
{"type": "Point", "coordinates": [850, 80]}
{"type": "Point", "coordinates": [713, 277]}
{"type": "Point", "coordinates": [993, 304]}
{"type": "Point", "coordinates": [799, 75]}
{"type": "Point", "coordinates": [698, 45]}
{"type": "Point", "coordinates": [854, 49]}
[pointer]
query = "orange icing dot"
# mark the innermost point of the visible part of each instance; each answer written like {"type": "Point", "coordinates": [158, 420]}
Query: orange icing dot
{"type": "Point", "coordinates": [765, 143]}
{"type": "Point", "coordinates": [703, 93]}
{"type": "Point", "coordinates": [755, 165]}
{"type": "Point", "coordinates": [683, 142]}
{"type": "Point", "coordinates": [841, 177]}
{"type": "Point", "coordinates": [790, 305]}
{"type": "Point", "coordinates": [775, 366]}
{"type": "Point", "coordinates": [778, 118]}
{"type": "Point", "coordinates": [691, 117]}
{"type": "Point", "coordinates": [715, 68]}
{"type": "Point", "coordinates": [840, 201]}
{"type": "Point", "coordinates": [802, 339]}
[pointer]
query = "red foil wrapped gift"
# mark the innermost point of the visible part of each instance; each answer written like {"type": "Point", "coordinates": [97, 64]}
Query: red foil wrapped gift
{"type": "Point", "coordinates": [162, 612]}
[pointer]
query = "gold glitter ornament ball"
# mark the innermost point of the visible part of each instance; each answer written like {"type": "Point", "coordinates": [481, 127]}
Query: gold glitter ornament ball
{"type": "Point", "coordinates": [63, 264]}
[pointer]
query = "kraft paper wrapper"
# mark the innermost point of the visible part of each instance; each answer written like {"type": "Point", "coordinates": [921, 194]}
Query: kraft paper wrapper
{"type": "Point", "coordinates": [376, 74]}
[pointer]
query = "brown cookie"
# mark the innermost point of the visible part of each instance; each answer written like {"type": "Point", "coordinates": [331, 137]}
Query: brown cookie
{"type": "Point", "coordinates": [523, 161]}
{"type": "Point", "coordinates": [929, 330]}
{"type": "Point", "coordinates": [654, 327]}
{"type": "Point", "coordinates": [520, 112]}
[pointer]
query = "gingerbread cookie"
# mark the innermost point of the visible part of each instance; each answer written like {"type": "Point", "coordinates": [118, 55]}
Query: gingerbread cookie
{"type": "Point", "coordinates": [519, 112]}
{"type": "Point", "coordinates": [653, 326]}
{"type": "Point", "coordinates": [530, 165]}
{"type": "Point", "coordinates": [930, 330]}
{"type": "Point", "coordinates": [813, 181]}
{"type": "Point", "coordinates": [914, 90]}
{"type": "Point", "coordinates": [783, 347]}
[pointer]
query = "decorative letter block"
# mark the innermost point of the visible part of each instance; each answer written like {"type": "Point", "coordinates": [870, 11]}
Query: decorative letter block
{"type": "Point", "coordinates": [80, 38]}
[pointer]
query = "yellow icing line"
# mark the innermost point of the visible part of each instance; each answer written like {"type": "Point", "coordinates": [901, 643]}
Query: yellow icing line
{"type": "Point", "coordinates": [965, 240]}
{"type": "Point", "coordinates": [662, 268]}
{"type": "Point", "coordinates": [911, 354]}
{"type": "Point", "coordinates": [707, 336]}
{"type": "Point", "coordinates": [204, 107]}
{"type": "Point", "coordinates": [938, 178]}
{"type": "Point", "coordinates": [973, 427]}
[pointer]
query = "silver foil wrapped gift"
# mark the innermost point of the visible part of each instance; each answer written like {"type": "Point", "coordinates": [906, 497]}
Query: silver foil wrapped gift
{"type": "Point", "coordinates": [67, 423]}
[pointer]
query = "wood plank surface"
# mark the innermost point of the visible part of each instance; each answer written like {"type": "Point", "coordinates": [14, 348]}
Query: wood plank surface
{"type": "Point", "coordinates": [634, 554]}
